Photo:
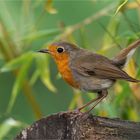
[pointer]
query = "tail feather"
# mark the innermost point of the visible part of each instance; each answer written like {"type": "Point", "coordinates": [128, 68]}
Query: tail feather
{"type": "Point", "coordinates": [132, 80]}
{"type": "Point", "coordinates": [123, 57]}
{"type": "Point", "coordinates": [127, 77]}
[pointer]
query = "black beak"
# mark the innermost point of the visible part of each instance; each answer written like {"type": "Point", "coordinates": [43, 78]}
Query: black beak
{"type": "Point", "coordinates": [43, 51]}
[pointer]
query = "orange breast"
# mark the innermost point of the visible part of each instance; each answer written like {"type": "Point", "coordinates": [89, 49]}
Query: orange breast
{"type": "Point", "coordinates": [63, 67]}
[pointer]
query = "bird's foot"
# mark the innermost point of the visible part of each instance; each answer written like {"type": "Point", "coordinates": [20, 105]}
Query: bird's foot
{"type": "Point", "coordinates": [81, 115]}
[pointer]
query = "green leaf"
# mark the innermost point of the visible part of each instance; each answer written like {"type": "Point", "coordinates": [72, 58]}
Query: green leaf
{"type": "Point", "coordinates": [133, 114]}
{"type": "Point", "coordinates": [44, 72]}
{"type": "Point", "coordinates": [49, 7]}
{"type": "Point", "coordinates": [111, 111]}
{"type": "Point", "coordinates": [37, 3]}
{"type": "Point", "coordinates": [17, 62]}
{"type": "Point", "coordinates": [122, 96]}
{"type": "Point", "coordinates": [22, 74]}
{"type": "Point", "coordinates": [76, 98]}
{"type": "Point", "coordinates": [138, 73]}
{"type": "Point", "coordinates": [39, 34]}
{"type": "Point", "coordinates": [72, 103]}
{"type": "Point", "coordinates": [121, 6]}
{"type": "Point", "coordinates": [6, 17]}
{"type": "Point", "coordinates": [34, 77]}
{"type": "Point", "coordinates": [6, 126]}
{"type": "Point", "coordinates": [91, 95]}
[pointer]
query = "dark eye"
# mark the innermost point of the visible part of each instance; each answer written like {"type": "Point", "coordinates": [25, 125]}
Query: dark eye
{"type": "Point", "coordinates": [60, 50]}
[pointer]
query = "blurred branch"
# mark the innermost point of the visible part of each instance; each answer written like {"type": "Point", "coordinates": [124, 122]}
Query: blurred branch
{"type": "Point", "coordinates": [126, 5]}
{"type": "Point", "coordinates": [28, 92]}
{"type": "Point", "coordinates": [67, 31]}
{"type": "Point", "coordinates": [70, 29]}
{"type": "Point", "coordinates": [77, 126]}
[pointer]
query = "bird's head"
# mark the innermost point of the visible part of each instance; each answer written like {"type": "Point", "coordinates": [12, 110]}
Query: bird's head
{"type": "Point", "coordinates": [59, 50]}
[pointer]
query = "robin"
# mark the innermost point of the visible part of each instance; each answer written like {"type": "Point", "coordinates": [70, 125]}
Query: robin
{"type": "Point", "coordinates": [89, 71]}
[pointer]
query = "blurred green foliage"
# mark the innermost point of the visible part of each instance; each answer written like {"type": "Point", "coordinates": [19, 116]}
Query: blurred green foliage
{"type": "Point", "coordinates": [30, 86]}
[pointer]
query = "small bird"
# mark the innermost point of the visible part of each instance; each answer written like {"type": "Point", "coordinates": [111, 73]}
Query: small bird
{"type": "Point", "coordinates": [88, 71]}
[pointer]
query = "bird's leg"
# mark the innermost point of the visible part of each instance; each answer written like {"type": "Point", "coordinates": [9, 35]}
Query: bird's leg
{"type": "Point", "coordinates": [101, 96]}
{"type": "Point", "coordinates": [93, 100]}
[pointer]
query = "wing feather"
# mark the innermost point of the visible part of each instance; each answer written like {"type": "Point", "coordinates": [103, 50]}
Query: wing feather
{"type": "Point", "coordinates": [101, 67]}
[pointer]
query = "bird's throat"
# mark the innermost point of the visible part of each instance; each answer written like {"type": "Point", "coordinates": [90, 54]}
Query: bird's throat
{"type": "Point", "coordinates": [65, 71]}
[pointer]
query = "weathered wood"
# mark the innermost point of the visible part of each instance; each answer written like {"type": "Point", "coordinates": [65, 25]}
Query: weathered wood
{"type": "Point", "coordinates": [76, 126]}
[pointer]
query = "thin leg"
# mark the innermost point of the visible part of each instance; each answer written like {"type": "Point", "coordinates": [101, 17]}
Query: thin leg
{"type": "Point", "coordinates": [93, 100]}
{"type": "Point", "coordinates": [101, 96]}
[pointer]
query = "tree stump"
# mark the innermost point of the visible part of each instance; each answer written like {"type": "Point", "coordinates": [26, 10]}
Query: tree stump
{"type": "Point", "coordinates": [76, 126]}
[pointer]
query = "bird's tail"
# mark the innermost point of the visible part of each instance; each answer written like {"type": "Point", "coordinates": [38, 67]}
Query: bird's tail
{"type": "Point", "coordinates": [131, 79]}
{"type": "Point", "coordinates": [123, 57]}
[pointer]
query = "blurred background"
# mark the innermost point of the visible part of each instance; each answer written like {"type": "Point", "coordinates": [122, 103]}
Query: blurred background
{"type": "Point", "coordinates": [30, 85]}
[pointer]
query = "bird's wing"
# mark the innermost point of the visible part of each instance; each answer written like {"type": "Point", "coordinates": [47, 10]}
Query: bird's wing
{"type": "Point", "coordinates": [101, 67]}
